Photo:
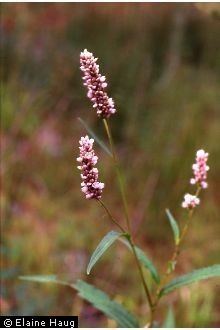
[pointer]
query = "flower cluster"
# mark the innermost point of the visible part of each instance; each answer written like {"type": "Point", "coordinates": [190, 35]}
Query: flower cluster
{"type": "Point", "coordinates": [96, 85]}
{"type": "Point", "coordinates": [91, 187]}
{"type": "Point", "coordinates": [200, 169]}
{"type": "Point", "coordinates": [190, 201]}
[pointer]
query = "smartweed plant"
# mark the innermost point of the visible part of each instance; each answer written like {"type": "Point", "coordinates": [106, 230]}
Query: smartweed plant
{"type": "Point", "coordinates": [92, 188]}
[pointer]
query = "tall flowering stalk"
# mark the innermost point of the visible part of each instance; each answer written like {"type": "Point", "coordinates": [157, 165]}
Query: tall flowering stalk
{"type": "Point", "coordinates": [190, 202]}
{"type": "Point", "coordinates": [96, 86]}
{"type": "Point", "coordinates": [93, 188]}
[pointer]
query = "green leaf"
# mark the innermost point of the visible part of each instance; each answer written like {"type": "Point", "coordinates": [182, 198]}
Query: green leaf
{"type": "Point", "coordinates": [96, 297]}
{"type": "Point", "coordinates": [95, 137]}
{"type": "Point", "coordinates": [43, 279]}
{"type": "Point", "coordinates": [195, 276]}
{"type": "Point", "coordinates": [174, 226]}
{"type": "Point", "coordinates": [147, 263]}
{"type": "Point", "coordinates": [105, 243]}
{"type": "Point", "coordinates": [170, 319]}
{"type": "Point", "coordinates": [108, 240]}
{"type": "Point", "coordinates": [102, 302]}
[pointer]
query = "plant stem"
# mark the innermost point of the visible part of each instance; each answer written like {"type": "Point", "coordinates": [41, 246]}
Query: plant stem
{"type": "Point", "coordinates": [141, 272]}
{"type": "Point", "coordinates": [132, 246]}
{"type": "Point", "coordinates": [118, 172]}
{"type": "Point", "coordinates": [110, 215]}
{"type": "Point", "coordinates": [178, 244]}
{"type": "Point", "coordinates": [125, 205]}
{"type": "Point", "coordinates": [173, 260]}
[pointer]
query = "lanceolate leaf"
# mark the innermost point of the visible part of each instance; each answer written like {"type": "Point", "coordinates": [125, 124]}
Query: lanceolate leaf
{"type": "Point", "coordinates": [109, 307]}
{"type": "Point", "coordinates": [105, 243]}
{"type": "Point", "coordinates": [95, 137]}
{"type": "Point", "coordinates": [170, 319]}
{"type": "Point", "coordinates": [174, 226]}
{"type": "Point", "coordinates": [147, 263]}
{"type": "Point", "coordinates": [108, 240]}
{"type": "Point", "coordinates": [43, 279]}
{"type": "Point", "coordinates": [195, 276]}
{"type": "Point", "coordinates": [96, 297]}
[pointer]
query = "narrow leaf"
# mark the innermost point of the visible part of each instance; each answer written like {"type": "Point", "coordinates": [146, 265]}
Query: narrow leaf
{"type": "Point", "coordinates": [147, 263]}
{"type": "Point", "coordinates": [105, 243]}
{"type": "Point", "coordinates": [96, 297]}
{"type": "Point", "coordinates": [102, 302]}
{"type": "Point", "coordinates": [195, 276]}
{"type": "Point", "coordinates": [43, 279]}
{"type": "Point", "coordinates": [95, 137]}
{"type": "Point", "coordinates": [170, 319]}
{"type": "Point", "coordinates": [174, 226]}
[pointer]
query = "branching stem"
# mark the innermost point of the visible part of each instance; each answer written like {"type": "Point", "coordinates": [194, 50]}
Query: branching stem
{"type": "Point", "coordinates": [125, 205]}
{"type": "Point", "coordinates": [173, 260]}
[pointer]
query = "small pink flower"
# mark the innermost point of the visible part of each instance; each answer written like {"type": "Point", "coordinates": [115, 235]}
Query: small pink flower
{"type": "Point", "coordinates": [200, 169]}
{"type": "Point", "coordinates": [190, 201]}
{"type": "Point", "coordinates": [96, 85]}
{"type": "Point", "coordinates": [90, 185]}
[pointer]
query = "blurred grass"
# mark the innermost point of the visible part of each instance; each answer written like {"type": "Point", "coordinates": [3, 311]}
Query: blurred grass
{"type": "Point", "coordinates": [162, 63]}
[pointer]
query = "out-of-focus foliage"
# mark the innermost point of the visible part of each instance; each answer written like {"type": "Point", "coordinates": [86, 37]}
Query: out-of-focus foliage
{"type": "Point", "coordinates": [162, 63]}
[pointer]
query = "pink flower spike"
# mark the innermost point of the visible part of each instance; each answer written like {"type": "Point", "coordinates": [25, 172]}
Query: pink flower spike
{"type": "Point", "coordinates": [96, 85]}
{"type": "Point", "coordinates": [200, 169]}
{"type": "Point", "coordinates": [190, 201]}
{"type": "Point", "coordinates": [90, 185]}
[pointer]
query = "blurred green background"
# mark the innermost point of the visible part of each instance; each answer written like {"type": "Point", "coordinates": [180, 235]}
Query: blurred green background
{"type": "Point", "coordinates": [162, 63]}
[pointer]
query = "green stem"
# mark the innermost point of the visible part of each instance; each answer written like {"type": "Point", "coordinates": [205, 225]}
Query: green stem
{"type": "Point", "coordinates": [110, 216]}
{"type": "Point", "coordinates": [173, 260]}
{"type": "Point", "coordinates": [118, 172]}
{"type": "Point", "coordinates": [141, 272]}
{"type": "Point", "coordinates": [182, 236]}
{"type": "Point", "coordinates": [132, 246]}
{"type": "Point", "coordinates": [125, 205]}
